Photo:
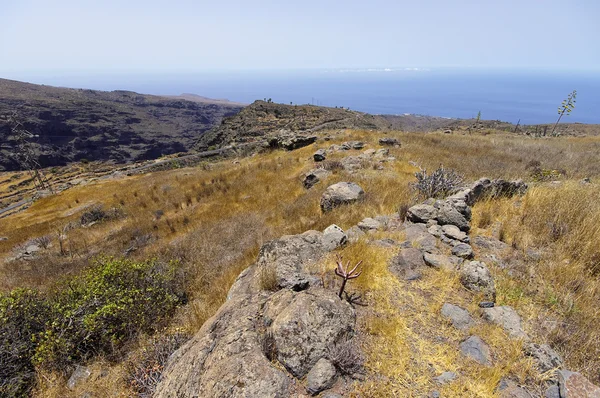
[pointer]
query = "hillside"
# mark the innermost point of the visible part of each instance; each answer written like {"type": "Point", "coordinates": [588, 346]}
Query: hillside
{"type": "Point", "coordinates": [120, 126]}
{"type": "Point", "coordinates": [231, 253]}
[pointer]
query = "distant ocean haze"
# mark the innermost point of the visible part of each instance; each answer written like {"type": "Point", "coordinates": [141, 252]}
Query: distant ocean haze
{"type": "Point", "coordinates": [529, 96]}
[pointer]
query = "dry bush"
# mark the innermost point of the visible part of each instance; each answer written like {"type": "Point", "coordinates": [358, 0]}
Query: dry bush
{"type": "Point", "coordinates": [439, 184]}
{"type": "Point", "coordinates": [331, 165]}
{"type": "Point", "coordinates": [268, 279]}
{"type": "Point", "coordinates": [269, 345]}
{"type": "Point", "coordinates": [145, 367]}
{"type": "Point", "coordinates": [347, 356]}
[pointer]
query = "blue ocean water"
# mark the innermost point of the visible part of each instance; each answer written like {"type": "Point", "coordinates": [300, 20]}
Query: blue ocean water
{"type": "Point", "coordinates": [528, 96]}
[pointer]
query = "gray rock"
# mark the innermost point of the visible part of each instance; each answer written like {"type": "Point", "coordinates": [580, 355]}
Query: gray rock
{"type": "Point", "coordinates": [453, 232]}
{"type": "Point", "coordinates": [307, 326]}
{"type": "Point", "coordinates": [369, 224]}
{"type": "Point", "coordinates": [463, 250]}
{"type": "Point", "coordinates": [474, 275]}
{"type": "Point", "coordinates": [441, 261]}
{"type": "Point", "coordinates": [3, 238]}
{"type": "Point", "coordinates": [575, 385]}
{"type": "Point", "coordinates": [407, 264]}
{"type": "Point", "coordinates": [552, 392]}
{"type": "Point", "coordinates": [486, 304]}
{"type": "Point", "coordinates": [489, 243]}
{"type": "Point", "coordinates": [460, 318]}
{"type": "Point", "coordinates": [476, 349]}
{"type": "Point", "coordinates": [435, 394]}
{"type": "Point", "coordinates": [545, 357]}
{"type": "Point", "coordinates": [387, 242]}
{"type": "Point", "coordinates": [79, 375]}
{"type": "Point", "coordinates": [449, 215]}
{"type": "Point", "coordinates": [320, 155]}
{"type": "Point", "coordinates": [355, 144]}
{"type": "Point", "coordinates": [314, 176]}
{"type": "Point", "coordinates": [352, 163]}
{"type": "Point", "coordinates": [421, 213]}
{"type": "Point", "coordinates": [418, 237]}
{"type": "Point", "coordinates": [331, 395]}
{"type": "Point", "coordinates": [333, 237]}
{"type": "Point", "coordinates": [389, 141]}
{"type": "Point", "coordinates": [445, 377]}
{"type": "Point", "coordinates": [321, 376]}
{"type": "Point", "coordinates": [339, 194]}
{"type": "Point", "coordinates": [354, 234]}
{"type": "Point", "coordinates": [435, 230]}
{"type": "Point", "coordinates": [510, 389]}
{"type": "Point", "coordinates": [381, 153]}
{"type": "Point", "coordinates": [506, 317]}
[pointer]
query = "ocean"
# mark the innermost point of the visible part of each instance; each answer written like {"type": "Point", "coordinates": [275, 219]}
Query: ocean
{"type": "Point", "coordinates": [529, 96]}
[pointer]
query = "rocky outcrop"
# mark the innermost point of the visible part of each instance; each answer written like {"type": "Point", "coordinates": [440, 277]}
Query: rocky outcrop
{"type": "Point", "coordinates": [267, 343]}
{"type": "Point", "coordinates": [290, 142]}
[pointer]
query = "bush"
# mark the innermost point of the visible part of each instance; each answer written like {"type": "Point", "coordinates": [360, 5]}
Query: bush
{"type": "Point", "coordinates": [439, 184]}
{"type": "Point", "coordinates": [23, 315]}
{"type": "Point", "coordinates": [110, 304]}
{"type": "Point", "coordinates": [94, 314]}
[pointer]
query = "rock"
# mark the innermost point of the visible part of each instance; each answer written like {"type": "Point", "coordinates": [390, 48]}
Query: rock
{"type": "Point", "coordinates": [291, 141]}
{"type": "Point", "coordinates": [486, 188]}
{"type": "Point", "coordinates": [355, 144]}
{"type": "Point", "coordinates": [441, 261]}
{"type": "Point", "coordinates": [510, 389]}
{"type": "Point", "coordinates": [3, 238]}
{"type": "Point", "coordinates": [486, 304]}
{"type": "Point", "coordinates": [381, 153]}
{"type": "Point", "coordinates": [575, 385]}
{"type": "Point", "coordinates": [450, 215]}
{"type": "Point", "coordinates": [384, 220]}
{"type": "Point", "coordinates": [389, 142]}
{"type": "Point", "coordinates": [435, 394]}
{"type": "Point", "coordinates": [333, 237]}
{"type": "Point", "coordinates": [419, 238]}
{"type": "Point", "coordinates": [307, 326]}
{"type": "Point", "coordinates": [369, 153]}
{"type": "Point", "coordinates": [460, 318]}
{"type": "Point", "coordinates": [474, 275]}
{"type": "Point", "coordinates": [506, 317]}
{"type": "Point", "coordinates": [368, 224]}
{"type": "Point", "coordinates": [387, 242]}
{"type": "Point", "coordinates": [314, 176]}
{"type": "Point", "coordinates": [79, 375]}
{"type": "Point", "coordinates": [421, 213]}
{"type": "Point", "coordinates": [407, 264]}
{"type": "Point", "coordinates": [320, 155]}
{"type": "Point", "coordinates": [352, 163]}
{"type": "Point", "coordinates": [552, 392]}
{"type": "Point", "coordinates": [486, 242]}
{"type": "Point", "coordinates": [453, 232]}
{"type": "Point", "coordinates": [354, 234]}
{"type": "Point", "coordinates": [331, 395]}
{"type": "Point", "coordinates": [339, 194]}
{"type": "Point", "coordinates": [321, 376]}
{"type": "Point", "coordinates": [287, 257]}
{"type": "Point", "coordinates": [476, 349]}
{"type": "Point", "coordinates": [463, 250]}
{"type": "Point", "coordinates": [445, 377]}
{"type": "Point", "coordinates": [545, 357]}
{"type": "Point", "coordinates": [435, 230]}
{"type": "Point", "coordinates": [448, 131]}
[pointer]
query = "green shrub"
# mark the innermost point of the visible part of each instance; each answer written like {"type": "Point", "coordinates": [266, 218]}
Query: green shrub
{"type": "Point", "coordinates": [23, 315]}
{"type": "Point", "coordinates": [93, 314]}
{"type": "Point", "coordinates": [107, 306]}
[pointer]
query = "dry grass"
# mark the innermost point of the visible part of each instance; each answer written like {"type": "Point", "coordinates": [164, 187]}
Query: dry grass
{"type": "Point", "coordinates": [214, 219]}
{"type": "Point", "coordinates": [561, 293]}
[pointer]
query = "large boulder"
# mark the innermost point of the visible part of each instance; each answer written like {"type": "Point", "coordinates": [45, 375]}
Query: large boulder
{"type": "Point", "coordinates": [309, 323]}
{"type": "Point", "coordinates": [475, 275]}
{"type": "Point", "coordinates": [339, 194]}
{"type": "Point", "coordinates": [449, 214]}
{"type": "Point", "coordinates": [291, 141]}
{"type": "Point", "coordinates": [333, 237]}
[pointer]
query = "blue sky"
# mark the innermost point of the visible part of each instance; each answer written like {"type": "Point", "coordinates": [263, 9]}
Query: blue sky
{"type": "Point", "coordinates": [185, 35]}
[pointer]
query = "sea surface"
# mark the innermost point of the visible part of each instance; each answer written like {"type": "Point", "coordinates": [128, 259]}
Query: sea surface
{"type": "Point", "coordinates": [530, 97]}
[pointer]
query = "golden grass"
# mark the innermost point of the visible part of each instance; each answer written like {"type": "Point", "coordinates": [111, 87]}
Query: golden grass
{"type": "Point", "coordinates": [213, 218]}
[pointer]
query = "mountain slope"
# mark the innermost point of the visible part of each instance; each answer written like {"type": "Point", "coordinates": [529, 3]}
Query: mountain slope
{"type": "Point", "coordinates": [75, 124]}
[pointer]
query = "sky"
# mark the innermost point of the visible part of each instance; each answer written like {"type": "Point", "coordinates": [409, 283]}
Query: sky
{"type": "Point", "coordinates": [82, 36]}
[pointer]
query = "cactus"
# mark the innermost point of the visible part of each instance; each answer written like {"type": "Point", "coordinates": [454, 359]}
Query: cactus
{"type": "Point", "coordinates": [342, 271]}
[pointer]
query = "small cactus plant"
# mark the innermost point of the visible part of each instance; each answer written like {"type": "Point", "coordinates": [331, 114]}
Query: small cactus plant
{"type": "Point", "coordinates": [341, 270]}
